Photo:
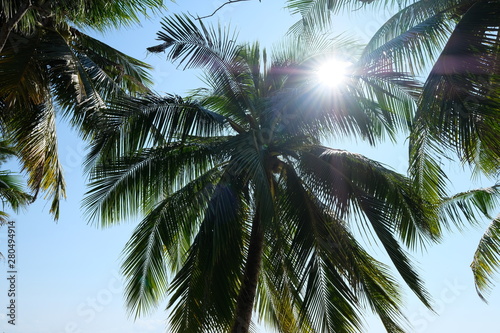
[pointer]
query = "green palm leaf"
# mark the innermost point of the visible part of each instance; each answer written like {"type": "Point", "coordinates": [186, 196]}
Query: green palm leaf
{"type": "Point", "coordinates": [463, 117]}
{"type": "Point", "coordinates": [472, 206]}
{"type": "Point", "coordinates": [486, 258]}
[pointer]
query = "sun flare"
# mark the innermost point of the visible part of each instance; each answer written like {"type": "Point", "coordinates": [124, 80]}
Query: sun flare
{"type": "Point", "coordinates": [333, 72]}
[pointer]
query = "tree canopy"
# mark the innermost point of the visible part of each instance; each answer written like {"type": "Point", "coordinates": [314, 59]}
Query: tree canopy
{"type": "Point", "coordinates": [241, 201]}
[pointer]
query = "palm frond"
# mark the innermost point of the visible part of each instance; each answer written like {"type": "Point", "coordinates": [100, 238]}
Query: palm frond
{"type": "Point", "coordinates": [459, 104]}
{"type": "Point", "coordinates": [134, 183]}
{"type": "Point", "coordinates": [131, 74]}
{"type": "Point", "coordinates": [102, 15]}
{"type": "Point", "coordinates": [487, 258]}
{"type": "Point", "coordinates": [198, 46]}
{"type": "Point", "coordinates": [318, 13]}
{"type": "Point", "coordinates": [205, 289]}
{"type": "Point", "coordinates": [277, 302]}
{"type": "Point", "coordinates": [327, 303]}
{"type": "Point", "coordinates": [338, 251]}
{"type": "Point", "coordinates": [157, 120]}
{"type": "Point", "coordinates": [427, 176]}
{"type": "Point", "coordinates": [164, 233]}
{"type": "Point", "coordinates": [413, 38]}
{"type": "Point", "coordinates": [12, 191]}
{"type": "Point", "coordinates": [382, 197]}
{"type": "Point", "coordinates": [470, 206]}
{"type": "Point", "coordinates": [331, 173]}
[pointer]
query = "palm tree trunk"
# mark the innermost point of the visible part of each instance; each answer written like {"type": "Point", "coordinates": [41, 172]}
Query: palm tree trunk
{"type": "Point", "coordinates": [11, 23]}
{"type": "Point", "coordinates": [246, 297]}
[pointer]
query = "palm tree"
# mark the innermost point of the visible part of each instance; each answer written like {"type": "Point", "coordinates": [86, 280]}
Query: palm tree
{"type": "Point", "coordinates": [244, 208]}
{"type": "Point", "coordinates": [49, 67]}
{"type": "Point", "coordinates": [459, 111]}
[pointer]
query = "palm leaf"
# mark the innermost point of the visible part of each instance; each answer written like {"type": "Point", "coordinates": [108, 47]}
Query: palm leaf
{"type": "Point", "coordinates": [196, 46]}
{"type": "Point", "coordinates": [380, 196]}
{"type": "Point", "coordinates": [132, 184]}
{"type": "Point", "coordinates": [413, 38]}
{"type": "Point", "coordinates": [328, 304]}
{"type": "Point", "coordinates": [164, 233]}
{"type": "Point", "coordinates": [487, 258]}
{"type": "Point", "coordinates": [470, 205]}
{"type": "Point", "coordinates": [205, 289]}
{"type": "Point", "coordinates": [131, 74]}
{"type": "Point", "coordinates": [158, 120]}
{"type": "Point", "coordinates": [463, 117]}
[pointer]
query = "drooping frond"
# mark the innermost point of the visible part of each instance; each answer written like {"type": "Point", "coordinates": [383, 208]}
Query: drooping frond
{"type": "Point", "coordinates": [204, 291]}
{"type": "Point", "coordinates": [332, 173]}
{"type": "Point", "coordinates": [327, 303]}
{"type": "Point", "coordinates": [377, 196]}
{"type": "Point", "coordinates": [130, 74]}
{"type": "Point", "coordinates": [134, 183]}
{"type": "Point", "coordinates": [487, 258]}
{"type": "Point", "coordinates": [12, 193]}
{"type": "Point", "coordinates": [162, 240]}
{"type": "Point", "coordinates": [470, 206]}
{"type": "Point", "coordinates": [427, 176]}
{"type": "Point", "coordinates": [459, 105]}
{"type": "Point", "coordinates": [46, 72]}
{"type": "Point", "coordinates": [414, 36]}
{"type": "Point", "coordinates": [337, 260]}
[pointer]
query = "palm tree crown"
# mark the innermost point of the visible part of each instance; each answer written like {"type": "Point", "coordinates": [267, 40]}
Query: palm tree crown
{"type": "Point", "coordinates": [242, 203]}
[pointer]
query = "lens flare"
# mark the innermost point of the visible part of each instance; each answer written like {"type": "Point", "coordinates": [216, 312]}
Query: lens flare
{"type": "Point", "coordinates": [333, 72]}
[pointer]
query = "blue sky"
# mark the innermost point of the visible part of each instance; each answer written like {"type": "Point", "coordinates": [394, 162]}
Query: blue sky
{"type": "Point", "coordinates": [68, 272]}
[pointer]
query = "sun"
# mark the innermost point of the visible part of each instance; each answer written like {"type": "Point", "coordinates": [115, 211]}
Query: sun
{"type": "Point", "coordinates": [332, 72]}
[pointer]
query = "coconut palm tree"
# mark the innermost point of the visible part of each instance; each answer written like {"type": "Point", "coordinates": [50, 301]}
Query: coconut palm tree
{"type": "Point", "coordinates": [49, 67]}
{"type": "Point", "coordinates": [244, 209]}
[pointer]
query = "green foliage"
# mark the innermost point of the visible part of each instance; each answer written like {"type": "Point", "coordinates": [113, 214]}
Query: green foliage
{"type": "Point", "coordinates": [458, 110]}
{"type": "Point", "coordinates": [12, 192]}
{"type": "Point", "coordinates": [98, 14]}
{"type": "Point", "coordinates": [211, 172]}
{"type": "Point", "coordinates": [50, 68]}
{"type": "Point", "coordinates": [473, 206]}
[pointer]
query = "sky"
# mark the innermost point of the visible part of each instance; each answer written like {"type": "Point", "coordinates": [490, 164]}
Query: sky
{"type": "Point", "coordinates": [68, 272]}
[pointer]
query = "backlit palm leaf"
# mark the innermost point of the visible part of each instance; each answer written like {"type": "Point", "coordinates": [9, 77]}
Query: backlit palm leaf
{"type": "Point", "coordinates": [475, 205]}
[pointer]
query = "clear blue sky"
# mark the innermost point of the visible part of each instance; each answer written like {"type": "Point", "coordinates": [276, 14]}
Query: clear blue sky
{"type": "Point", "coordinates": [68, 272]}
